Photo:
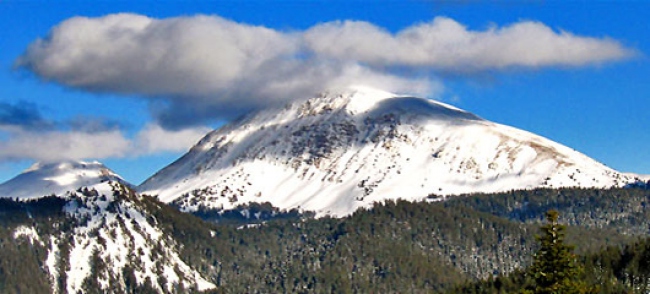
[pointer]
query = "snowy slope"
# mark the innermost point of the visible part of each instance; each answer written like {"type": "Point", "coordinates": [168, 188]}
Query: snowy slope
{"type": "Point", "coordinates": [57, 178]}
{"type": "Point", "coordinates": [344, 150]}
{"type": "Point", "coordinates": [109, 242]}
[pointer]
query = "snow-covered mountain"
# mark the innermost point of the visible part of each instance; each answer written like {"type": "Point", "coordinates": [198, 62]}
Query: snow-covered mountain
{"type": "Point", "coordinates": [107, 239]}
{"type": "Point", "coordinates": [57, 178]}
{"type": "Point", "coordinates": [98, 234]}
{"type": "Point", "coordinates": [343, 150]}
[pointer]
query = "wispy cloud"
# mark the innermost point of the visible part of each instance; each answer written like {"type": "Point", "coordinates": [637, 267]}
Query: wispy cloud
{"type": "Point", "coordinates": [26, 116]}
{"type": "Point", "coordinates": [194, 69]}
{"type": "Point", "coordinates": [26, 134]}
{"type": "Point", "coordinates": [55, 145]}
{"type": "Point", "coordinates": [154, 139]}
{"type": "Point", "coordinates": [22, 115]}
{"type": "Point", "coordinates": [60, 145]}
{"type": "Point", "coordinates": [444, 44]}
{"type": "Point", "coordinates": [89, 124]}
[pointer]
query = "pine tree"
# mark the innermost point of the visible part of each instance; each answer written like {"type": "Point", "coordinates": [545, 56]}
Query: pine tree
{"type": "Point", "coordinates": [555, 268]}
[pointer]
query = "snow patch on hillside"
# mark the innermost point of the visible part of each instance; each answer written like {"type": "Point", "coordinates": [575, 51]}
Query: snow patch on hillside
{"type": "Point", "coordinates": [53, 257]}
{"type": "Point", "coordinates": [112, 230]}
{"type": "Point", "coordinates": [28, 233]}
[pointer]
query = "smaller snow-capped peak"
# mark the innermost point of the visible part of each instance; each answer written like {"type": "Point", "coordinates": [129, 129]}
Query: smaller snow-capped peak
{"type": "Point", "coordinates": [113, 232]}
{"type": "Point", "coordinates": [42, 179]}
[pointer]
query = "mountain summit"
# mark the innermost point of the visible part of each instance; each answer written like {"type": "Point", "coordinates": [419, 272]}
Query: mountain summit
{"type": "Point", "coordinates": [343, 150]}
{"type": "Point", "coordinates": [43, 179]}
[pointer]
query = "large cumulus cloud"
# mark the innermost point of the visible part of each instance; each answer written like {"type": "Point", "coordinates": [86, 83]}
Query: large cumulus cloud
{"type": "Point", "coordinates": [193, 69]}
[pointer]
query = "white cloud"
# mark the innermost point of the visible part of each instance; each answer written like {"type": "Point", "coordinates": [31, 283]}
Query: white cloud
{"type": "Point", "coordinates": [193, 69]}
{"type": "Point", "coordinates": [155, 139]}
{"type": "Point", "coordinates": [448, 45]}
{"type": "Point", "coordinates": [130, 53]}
{"type": "Point", "coordinates": [54, 146]}
{"type": "Point", "coordinates": [63, 145]}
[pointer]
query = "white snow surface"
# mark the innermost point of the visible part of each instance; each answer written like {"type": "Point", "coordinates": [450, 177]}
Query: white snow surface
{"type": "Point", "coordinates": [53, 258]}
{"type": "Point", "coordinates": [28, 233]}
{"type": "Point", "coordinates": [344, 150]}
{"type": "Point", "coordinates": [57, 178]}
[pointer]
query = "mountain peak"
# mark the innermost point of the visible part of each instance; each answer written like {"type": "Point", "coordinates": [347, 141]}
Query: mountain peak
{"type": "Point", "coordinates": [42, 179]}
{"type": "Point", "coordinates": [360, 89]}
{"type": "Point", "coordinates": [354, 98]}
{"type": "Point", "coordinates": [64, 165]}
{"type": "Point", "coordinates": [359, 100]}
{"type": "Point", "coordinates": [342, 150]}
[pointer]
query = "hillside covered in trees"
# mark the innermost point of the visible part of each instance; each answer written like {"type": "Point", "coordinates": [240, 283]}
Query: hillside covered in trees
{"type": "Point", "coordinates": [471, 243]}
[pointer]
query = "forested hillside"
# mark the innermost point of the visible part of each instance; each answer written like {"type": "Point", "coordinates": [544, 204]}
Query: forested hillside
{"type": "Point", "coordinates": [399, 247]}
{"type": "Point", "coordinates": [623, 210]}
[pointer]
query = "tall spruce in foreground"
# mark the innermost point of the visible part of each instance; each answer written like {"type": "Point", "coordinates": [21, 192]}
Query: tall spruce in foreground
{"type": "Point", "coordinates": [555, 268]}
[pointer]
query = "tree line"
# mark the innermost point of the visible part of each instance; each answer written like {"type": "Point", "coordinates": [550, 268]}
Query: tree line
{"type": "Point", "coordinates": [482, 243]}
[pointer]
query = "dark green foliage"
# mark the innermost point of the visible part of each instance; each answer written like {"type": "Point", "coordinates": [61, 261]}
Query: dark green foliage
{"type": "Point", "coordinates": [19, 265]}
{"type": "Point", "coordinates": [514, 282]}
{"type": "Point", "coordinates": [623, 210]}
{"type": "Point", "coordinates": [20, 258]}
{"type": "Point", "coordinates": [467, 244]}
{"type": "Point", "coordinates": [397, 246]}
{"type": "Point", "coordinates": [555, 267]}
{"type": "Point", "coordinates": [251, 213]}
{"type": "Point", "coordinates": [621, 270]}
{"type": "Point", "coordinates": [18, 212]}
{"type": "Point", "coordinates": [613, 270]}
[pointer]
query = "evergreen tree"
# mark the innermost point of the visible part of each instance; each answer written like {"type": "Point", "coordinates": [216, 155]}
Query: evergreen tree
{"type": "Point", "coordinates": [555, 268]}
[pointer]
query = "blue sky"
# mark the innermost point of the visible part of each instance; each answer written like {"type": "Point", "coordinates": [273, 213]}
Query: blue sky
{"type": "Point", "coordinates": [54, 104]}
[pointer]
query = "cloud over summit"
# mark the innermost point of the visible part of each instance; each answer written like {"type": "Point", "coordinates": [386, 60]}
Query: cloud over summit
{"type": "Point", "coordinates": [194, 69]}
